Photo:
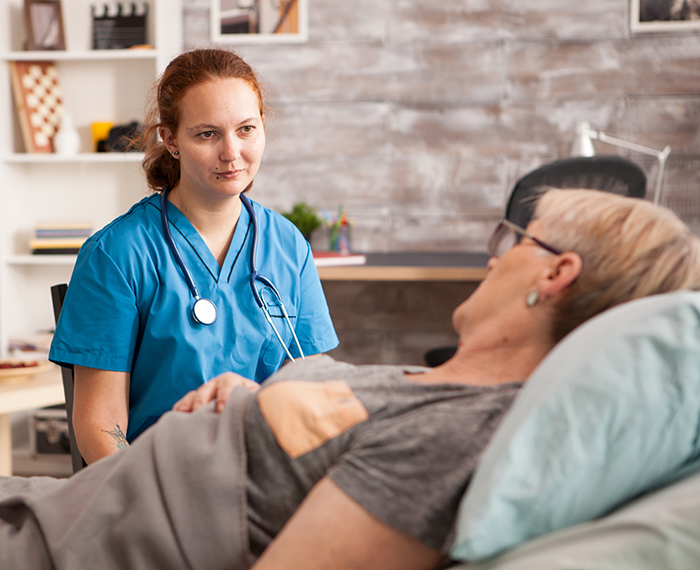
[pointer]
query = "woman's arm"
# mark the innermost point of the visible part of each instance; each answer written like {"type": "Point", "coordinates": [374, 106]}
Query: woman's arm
{"type": "Point", "coordinates": [100, 411]}
{"type": "Point", "coordinates": [331, 531]}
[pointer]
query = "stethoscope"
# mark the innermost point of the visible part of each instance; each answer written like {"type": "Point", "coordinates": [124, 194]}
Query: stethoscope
{"type": "Point", "coordinates": [204, 310]}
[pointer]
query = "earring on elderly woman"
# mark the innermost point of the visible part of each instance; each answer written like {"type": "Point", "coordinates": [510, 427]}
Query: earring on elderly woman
{"type": "Point", "coordinates": [176, 153]}
{"type": "Point", "coordinates": [532, 298]}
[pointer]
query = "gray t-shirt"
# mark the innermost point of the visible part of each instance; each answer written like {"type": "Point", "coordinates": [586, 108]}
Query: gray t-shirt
{"type": "Point", "coordinates": [403, 450]}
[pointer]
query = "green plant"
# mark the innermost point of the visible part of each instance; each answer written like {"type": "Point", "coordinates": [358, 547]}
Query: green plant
{"type": "Point", "coordinates": [304, 217]}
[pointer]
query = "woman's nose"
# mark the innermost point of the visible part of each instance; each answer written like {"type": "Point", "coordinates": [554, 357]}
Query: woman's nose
{"type": "Point", "coordinates": [491, 263]}
{"type": "Point", "coordinates": [231, 150]}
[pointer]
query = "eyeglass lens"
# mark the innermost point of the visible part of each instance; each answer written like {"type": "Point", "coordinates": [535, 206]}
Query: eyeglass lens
{"type": "Point", "coordinates": [502, 240]}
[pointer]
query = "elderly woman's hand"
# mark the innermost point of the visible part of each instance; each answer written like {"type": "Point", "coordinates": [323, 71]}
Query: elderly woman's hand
{"type": "Point", "coordinates": [218, 388]}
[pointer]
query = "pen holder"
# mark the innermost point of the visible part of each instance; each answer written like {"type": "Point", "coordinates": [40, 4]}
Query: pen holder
{"type": "Point", "coordinates": [339, 237]}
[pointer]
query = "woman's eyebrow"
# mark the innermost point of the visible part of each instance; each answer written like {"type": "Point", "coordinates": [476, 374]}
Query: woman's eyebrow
{"type": "Point", "coordinates": [201, 127]}
{"type": "Point", "coordinates": [209, 126]}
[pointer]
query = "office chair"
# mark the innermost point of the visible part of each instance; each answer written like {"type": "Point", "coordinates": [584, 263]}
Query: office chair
{"type": "Point", "coordinates": [58, 293]}
{"type": "Point", "coordinates": [609, 173]}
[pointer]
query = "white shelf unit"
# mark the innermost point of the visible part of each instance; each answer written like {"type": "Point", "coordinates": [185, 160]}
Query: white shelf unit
{"type": "Point", "coordinates": [104, 85]}
{"type": "Point", "coordinates": [83, 157]}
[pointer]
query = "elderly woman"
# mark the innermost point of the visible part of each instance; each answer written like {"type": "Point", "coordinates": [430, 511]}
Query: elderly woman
{"type": "Point", "coordinates": [330, 465]}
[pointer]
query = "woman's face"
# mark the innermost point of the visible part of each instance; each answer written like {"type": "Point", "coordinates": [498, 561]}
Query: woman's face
{"type": "Point", "coordinates": [220, 138]}
{"type": "Point", "coordinates": [508, 281]}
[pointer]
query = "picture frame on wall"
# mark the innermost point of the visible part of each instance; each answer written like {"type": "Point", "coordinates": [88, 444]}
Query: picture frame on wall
{"type": "Point", "coordinates": [259, 21]}
{"type": "Point", "coordinates": [664, 15]}
{"type": "Point", "coordinates": [44, 24]}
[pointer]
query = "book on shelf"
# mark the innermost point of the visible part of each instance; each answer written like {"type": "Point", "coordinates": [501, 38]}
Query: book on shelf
{"type": "Point", "coordinates": [31, 347]}
{"type": "Point", "coordinates": [55, 246]}
{"type": "Point", "coordinates": [59, 237]}
{"type": "Point", "coordinates": [336, 258]}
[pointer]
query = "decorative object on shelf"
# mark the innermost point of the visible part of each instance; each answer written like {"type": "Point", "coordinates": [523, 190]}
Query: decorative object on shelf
{"type": "Point", "coordinates": [44, 23]}
{"type": "Point", "coordinates": [664, 15]}
{"type": "Point", "coordinates": [583, 146]}
{"type": "Point", "coordinates": [58, 238]}
{"type": "Point", "coordinates": [100, 134]}
{"type": "Point", "coordinates": [259, 21]}
{"type": "Point", "coordinates": [305, 218]}
{"type": "Point", "coordinates": [66, 141]}
{"type": "Point", "coordinates": [122, 30]}
{"type": "Point", "coordinates": [121, 137]}
{"type": "Point", "coordinates": [38, 101]}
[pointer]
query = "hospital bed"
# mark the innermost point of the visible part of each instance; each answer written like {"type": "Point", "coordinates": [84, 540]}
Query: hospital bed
{"type": "Point", "coordinates": [597, 464]}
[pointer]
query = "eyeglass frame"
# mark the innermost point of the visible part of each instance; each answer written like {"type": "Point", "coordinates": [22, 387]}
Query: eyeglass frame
{"type": "Point", "coordinates": [521, 232]}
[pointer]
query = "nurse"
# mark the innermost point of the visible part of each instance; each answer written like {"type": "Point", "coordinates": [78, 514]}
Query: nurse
{"type": "Point", "coordinates": [127, 324]}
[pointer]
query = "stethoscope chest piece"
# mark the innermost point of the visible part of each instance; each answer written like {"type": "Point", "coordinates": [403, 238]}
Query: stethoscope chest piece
{"type": "Point", "coordinates": [204, 311]}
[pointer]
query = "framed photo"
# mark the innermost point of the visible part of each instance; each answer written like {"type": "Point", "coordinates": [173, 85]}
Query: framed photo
{"type": "Point", "coordinates": [259, 21]}
{"type": "Point", "coordinates": [44, 24]}
{"type": "Point", "coordinates": [664, 15]}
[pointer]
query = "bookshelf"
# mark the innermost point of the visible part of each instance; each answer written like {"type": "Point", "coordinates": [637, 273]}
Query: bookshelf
{"type": "Point", "coordinates": [97, 85]}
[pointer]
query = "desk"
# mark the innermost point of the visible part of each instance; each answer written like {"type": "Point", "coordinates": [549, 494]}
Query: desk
{"type": "Point", "coordinates": [41, 390]}
{"type": "Point", "coordinates": [411, 266]}
{"type": "Point", "coordinates": [398, 305]}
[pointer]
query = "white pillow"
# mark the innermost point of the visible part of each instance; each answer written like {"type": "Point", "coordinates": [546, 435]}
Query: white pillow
{"type": "Point", "coordinates": [612, 411]}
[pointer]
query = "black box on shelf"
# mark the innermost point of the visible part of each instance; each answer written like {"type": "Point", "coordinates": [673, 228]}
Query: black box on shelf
{"type": "Point", "coordinates": [48, 432]}
{"type": "Point", "coordinates": [121, 30]}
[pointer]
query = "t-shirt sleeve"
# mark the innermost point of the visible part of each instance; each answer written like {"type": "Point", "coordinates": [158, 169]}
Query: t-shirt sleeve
{"type": "Point", "coordinates": [314, 327]}
{"type": "Point", "coordinates": [98, 325]}
{"type": "Point", "coordinates": [412, 473]}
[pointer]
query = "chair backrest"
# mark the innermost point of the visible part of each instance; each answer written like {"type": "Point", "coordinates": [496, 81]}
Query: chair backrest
{"type": "Point", "coordinates": [58, 293]}
{"type": "Point", "coordinates": [609, 173]}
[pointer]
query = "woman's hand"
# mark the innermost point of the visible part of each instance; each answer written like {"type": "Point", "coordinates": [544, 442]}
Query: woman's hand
{"type": "Point", "coordinates": [218, 388]}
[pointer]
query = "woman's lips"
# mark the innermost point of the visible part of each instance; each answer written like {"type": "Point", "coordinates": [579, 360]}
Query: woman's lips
{"type": "Point", "coordinates": [229, 174]}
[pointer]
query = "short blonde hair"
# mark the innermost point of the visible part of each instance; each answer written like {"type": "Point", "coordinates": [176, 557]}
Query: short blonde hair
{"type": "Point", "coordinates": [630, 248]}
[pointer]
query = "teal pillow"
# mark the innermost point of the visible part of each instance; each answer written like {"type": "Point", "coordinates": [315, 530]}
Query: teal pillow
{"type": "Point", "coordinates": [612, 412]}
{"type": "Point", "coordinates": [659, 531]}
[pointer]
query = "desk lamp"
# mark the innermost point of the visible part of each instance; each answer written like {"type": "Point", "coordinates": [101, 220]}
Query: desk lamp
{"type": "Point", "coordinates": [583, 146]}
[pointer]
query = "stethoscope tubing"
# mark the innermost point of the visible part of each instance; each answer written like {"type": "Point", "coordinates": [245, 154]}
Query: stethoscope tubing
{"type": "Point", "coordinates": [254, 276]}
{"type": "Point", "coordinates": [171, 242]}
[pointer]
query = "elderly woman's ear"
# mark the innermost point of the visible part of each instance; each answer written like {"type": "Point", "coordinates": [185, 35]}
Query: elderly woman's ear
{"type": "Point", "coordinates": [562, 272]}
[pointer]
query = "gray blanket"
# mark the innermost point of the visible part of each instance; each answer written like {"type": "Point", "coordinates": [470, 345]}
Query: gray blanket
{"type": "Point", "coordinates": [143, 508]}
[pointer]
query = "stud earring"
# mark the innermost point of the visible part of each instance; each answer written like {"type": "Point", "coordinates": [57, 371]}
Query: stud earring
{"type": "Point", "coordinates": [176, 153]}
{"type": "Point", "coordinates": [532, 298]}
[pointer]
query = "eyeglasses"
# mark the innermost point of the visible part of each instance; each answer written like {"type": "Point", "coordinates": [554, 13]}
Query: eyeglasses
{"type": "Point", "coordinates": [507, 234]}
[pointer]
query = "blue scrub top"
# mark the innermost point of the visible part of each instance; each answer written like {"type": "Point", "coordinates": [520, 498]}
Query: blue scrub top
{"type": "Point", "coordinates": [128, 307]}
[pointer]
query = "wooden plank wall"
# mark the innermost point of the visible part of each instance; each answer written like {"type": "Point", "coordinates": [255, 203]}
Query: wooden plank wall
{"type": "Point", "coordinates": [419, 115]}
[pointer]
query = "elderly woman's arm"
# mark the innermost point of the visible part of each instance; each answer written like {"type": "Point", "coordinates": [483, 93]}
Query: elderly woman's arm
{"type": "Point", "coordinates": [331, 530]}
{"type": "Point", "coordinates": [218, 389]}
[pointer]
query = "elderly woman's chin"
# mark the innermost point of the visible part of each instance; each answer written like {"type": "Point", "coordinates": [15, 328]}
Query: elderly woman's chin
{"type": "Point", "coordinates": [464, 316]}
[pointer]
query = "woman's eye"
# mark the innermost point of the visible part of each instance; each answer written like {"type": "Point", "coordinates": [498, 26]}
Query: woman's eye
{"type": "Point", "coordinates": [207, 134]}
{"type": "Point", "coordinates": [247, 129]}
